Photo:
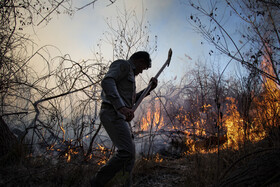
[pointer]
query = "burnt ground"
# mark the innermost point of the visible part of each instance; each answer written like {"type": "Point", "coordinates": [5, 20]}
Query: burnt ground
{"type": "Point", "coordinates": [189, 170]}
{"type": "Point", "coordinates": [257, 168]}
{"type": "Point", "coordinates": [165, 173]}
{"type": "Point", "coordinates": [154, 172]}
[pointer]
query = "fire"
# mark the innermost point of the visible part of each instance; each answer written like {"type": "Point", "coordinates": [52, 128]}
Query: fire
{"type": "Point", "coordinates": [102, 162]}
{"type": "Point", "coordinates": [158, 159]}
{"type": "Point", "coordinates": [103, 151]}
{"type": "Point", "coordinates": [152, 120]}
{"type": "Point", "coordinates": [269, 103]}
{"type": "Point", "coordinates": [191, 144]}
{"type": "Point", "coordinates": [101, 148]}
{"type": "Point", "coordinates": [267, 108]}
{"type": "Point", "coordinates": [155, 158]}
{"type": "Point", "coordinates": [70, 152]}
{"type": "Point", "coordinates": [68, 156]}
{"type": "Point", "coordinates": [232, 128]}
{"type": "Point", "coordinates": [233, 124]}
{"type": "Point", "coordinates": [63, 130]}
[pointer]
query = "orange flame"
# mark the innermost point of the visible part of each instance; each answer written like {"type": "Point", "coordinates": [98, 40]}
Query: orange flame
{"type": "Point", "coordinates": [103, 151]}
{"type": "Point", "coordinates": [269, 102]}
{"type": "Point", "coordinates": [158, 159]}
{"type": "Point", "coordinates": [63, 130]}
{"type": "Point", "coordinates": [233, 124]}
{"type": "Point", "coordinates": [70, 152]}
{"type": "Point", "coordinates": [152, 120]}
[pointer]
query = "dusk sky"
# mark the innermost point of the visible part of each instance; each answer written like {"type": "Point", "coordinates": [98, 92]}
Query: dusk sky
{"type": "Point", "coordinates": [79, 35]}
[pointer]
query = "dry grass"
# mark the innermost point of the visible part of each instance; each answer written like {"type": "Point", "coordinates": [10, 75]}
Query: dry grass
{"type": "Point", "coordinates": [191, 170]}
{"type": "Point", "coordinates": [40, 171]}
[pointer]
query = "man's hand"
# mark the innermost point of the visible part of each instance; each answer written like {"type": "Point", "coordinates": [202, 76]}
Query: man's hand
{"type": "Point", "coordinates": [154, 82]}
{"type": "Point", "coordinates": [127, 112]}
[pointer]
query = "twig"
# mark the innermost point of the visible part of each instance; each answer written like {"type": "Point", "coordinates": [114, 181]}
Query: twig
{"type": "Point", "coordinates": [50, 13]}
{"type": "Point", "coordinates": [87, 5]}
{"type": "Point", "coordinates": [14, 113]}
{"type": "Point", "coordinates": [91, 142]}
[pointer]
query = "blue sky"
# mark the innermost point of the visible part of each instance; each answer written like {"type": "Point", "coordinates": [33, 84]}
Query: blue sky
{"type": "Point", "coordinates": [79, 35]}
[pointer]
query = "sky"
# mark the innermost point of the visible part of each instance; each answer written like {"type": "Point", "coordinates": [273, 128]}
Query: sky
{"type": "Point", "coordinates": [79, 34]}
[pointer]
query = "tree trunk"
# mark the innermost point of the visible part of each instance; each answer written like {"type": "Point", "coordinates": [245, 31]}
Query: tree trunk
{"type": "Point", "coordinates": [7, 138]}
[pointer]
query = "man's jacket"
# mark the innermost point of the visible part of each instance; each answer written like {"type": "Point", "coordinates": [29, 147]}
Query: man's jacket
{"type": "Point", "coordinates": [119, 85]}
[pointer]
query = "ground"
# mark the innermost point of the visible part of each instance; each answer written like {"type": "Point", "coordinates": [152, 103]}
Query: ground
{"type": "Point", "coordinates": [256, 167]}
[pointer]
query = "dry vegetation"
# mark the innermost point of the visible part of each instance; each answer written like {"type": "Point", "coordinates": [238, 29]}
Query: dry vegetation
{"type": "Point", "coordinates": [219, 131]}
{"type": "Point", "coordinates": [259, 165]}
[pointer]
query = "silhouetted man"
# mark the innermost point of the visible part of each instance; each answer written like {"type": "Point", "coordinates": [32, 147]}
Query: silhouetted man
{"type": "Point", "coordinates": [118, 97]}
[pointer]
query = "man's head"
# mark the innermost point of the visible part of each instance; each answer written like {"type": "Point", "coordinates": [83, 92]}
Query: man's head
{"type": "Point", "coordinates": [141, 60]}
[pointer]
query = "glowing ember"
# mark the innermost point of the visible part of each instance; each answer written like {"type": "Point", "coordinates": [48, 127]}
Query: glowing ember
{"type": "Point", "coordinates": [63, 130]}
{"type": "Point", "coordinates": [158, 159]}
{"type": "Point", "coordinates": [103, 151]}
{"type": "Point", "coordinates": [68, 156]}
{"type": "Point", "coordinates": [70, 152]}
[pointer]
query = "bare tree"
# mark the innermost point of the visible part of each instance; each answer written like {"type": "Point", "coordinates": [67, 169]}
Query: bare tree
{"type": "Point", "coordinates": [246, 93]}
{"type": "Point", "coordinates": [22, 91]}
{"type": "Point", "coordinates": [254, 39]}
{"type": "Point", "coordinates": [129, 33]}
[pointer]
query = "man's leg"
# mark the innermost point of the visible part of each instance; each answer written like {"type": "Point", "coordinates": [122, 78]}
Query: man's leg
{"type": "Point", "coordinates": [119, 132]}
{"type": "Point", "coordinates": [118, 163]}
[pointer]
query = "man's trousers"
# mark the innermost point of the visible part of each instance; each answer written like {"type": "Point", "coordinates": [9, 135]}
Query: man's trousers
{"type": "Point", "coordinates": [119, 132]}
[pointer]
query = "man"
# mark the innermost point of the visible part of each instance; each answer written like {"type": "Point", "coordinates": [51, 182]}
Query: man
{"type": "Point", "coordinates": [118, 97]}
